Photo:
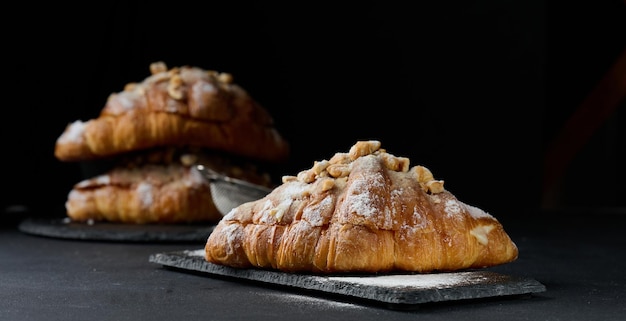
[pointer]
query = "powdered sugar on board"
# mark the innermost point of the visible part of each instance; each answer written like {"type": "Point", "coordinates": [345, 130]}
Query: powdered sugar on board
{"type": "Point", "coordinates": [393, 290]}
{"type": "Point", "coordinates": [435, 280]}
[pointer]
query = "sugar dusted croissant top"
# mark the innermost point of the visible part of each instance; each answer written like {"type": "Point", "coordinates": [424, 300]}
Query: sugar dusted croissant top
{"type": "Point", "coordinates": [365, 211]}
{"type": "Point", "coordinates": [182, 106]}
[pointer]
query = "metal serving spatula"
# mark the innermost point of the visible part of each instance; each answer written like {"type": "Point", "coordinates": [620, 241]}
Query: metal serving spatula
{"type": "Point", "coordinates": [228, 192]}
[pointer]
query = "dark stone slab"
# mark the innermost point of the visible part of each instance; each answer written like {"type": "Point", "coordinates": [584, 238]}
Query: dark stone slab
{"type": "Point", "coordinates": [106, 231]}
{"type": "Point", "coordinates": [393, 290]}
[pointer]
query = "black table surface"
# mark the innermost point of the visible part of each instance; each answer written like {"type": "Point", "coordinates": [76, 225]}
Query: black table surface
{"type": "Point", "coordinates": [580, 256]}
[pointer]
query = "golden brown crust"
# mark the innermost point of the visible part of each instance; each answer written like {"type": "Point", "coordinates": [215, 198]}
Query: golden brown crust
{"type": "Point", "coordinates": [147, 194]}
{"type": "Point", "coordinates": [183, 106]}
{"type": "Point", "coordinates": [362, 211]}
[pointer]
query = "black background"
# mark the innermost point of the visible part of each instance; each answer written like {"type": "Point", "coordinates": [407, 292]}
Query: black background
{"type": "Point", "coordinates": [473, 90]}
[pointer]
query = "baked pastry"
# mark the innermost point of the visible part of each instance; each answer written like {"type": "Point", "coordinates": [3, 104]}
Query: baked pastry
{"type": "Point", "coordinates": [365, 211]}
{"type": "Point", "coordinates": [182, 106]}
{"type": "Point", "coordinates": [153, 132]}
{"type": "Point", "coordinates": [150, 194]}
{"type": "Point", "coordinates": [159, 186]}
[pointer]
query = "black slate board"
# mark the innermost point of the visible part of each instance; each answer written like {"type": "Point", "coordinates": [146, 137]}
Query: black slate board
{"type": "Point", "coordinates": [395, 291]}
{"type": "Point", "coordinates": [106, 231]}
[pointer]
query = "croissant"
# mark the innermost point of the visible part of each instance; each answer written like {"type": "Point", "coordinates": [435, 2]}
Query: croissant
{"type": "Point", "coordinates": [365, 211]}
{"type": "Point", "coordinates": [183, 106]}
{"type": "Point", "coordinates": [178, 109]}
{"type": "Point", "coordinates": [157, 186]}
{"type": "Point", "coordinates": [149, 194]}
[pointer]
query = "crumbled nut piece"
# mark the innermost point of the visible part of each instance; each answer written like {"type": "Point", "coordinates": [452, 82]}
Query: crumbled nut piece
{"type": "Point", "coordinates": [426, 180]}
{"type": "Point", "coordinates": [289, 178]}
{"type": "Point", "coordinates": [225, 78]}
{"type": "Point", "coordinates": [398, 164]}
{"type": "Point", "coordinates": [435, 187]}
{"type": "Point", "coordinates": [327, 184]}
{"type": "Point", "coordinates": [306, 176]}
{"type": "Point", "coordinates": [319, 167]}
{"type": "Point", "coordinates": [277, 213]}
{"type": "Point", "coordinates": [423, 174]}
{"type": "Point", "coordinates": [322, 174]}
{"type": "Point", "coordinates": [338, 170]}
{"type": "Point", "coordinates": [363, 148]}
{"type": "Point", "coordinates": [157, 67]}
{"type": "Point", "coordinates": [341, 182]}
{"type": "Point", "coordinates": [174, 88]}
{"type": "Point", "coordinates": [340, 158]}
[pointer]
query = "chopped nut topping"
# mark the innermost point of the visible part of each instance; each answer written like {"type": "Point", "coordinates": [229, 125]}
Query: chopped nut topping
{"type": "Point", "coordinates": [340, 158]}
{"type": "Point", "coordinates": [278, 214]}
{"type": "Point", "coordinates": [363, 148]}
{"type": "Point", "coordinates": [338, 170]}
{"type": "Point", "coordinates": [327, 184]}
{"type": "Point", "coordinates": [340, 166]}
{"type": "Point", "coordinates": [157, 67]}
{"type": "Point", "coordinates": [434, 186]}
{"type": "Point", "coordinates": [225, 78]}
{"type": "Point", "coordinates": [423, 174]}
{"type": "Point", "coordinates": [174, 88]}
{"type": "Point", "coordinates": [426, 180]}
{"type": "Point", "coordinates": [307, 176]}
{"type": "Point", "coordinates": [398, 164]}
{"type": "Point", "coordinates": [319, 167]}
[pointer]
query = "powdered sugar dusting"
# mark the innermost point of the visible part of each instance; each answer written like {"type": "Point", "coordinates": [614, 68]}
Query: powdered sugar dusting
{"type": "Point", "coordinates": [313, 214]}
{"type": "Point", "coordinates": [267, 206]}
{"type": "Point", "coordinates": [230, 215]}
{"type": "Point", "coordinates": [290, 299]}
{"type": "Point", "coordinates": [99, 180]}
{"type": "Point", "coordinates": [74, 132]}
{"type": "Point", "coordinates": [476, 212]}
{"type": "Point", "coordinates": [420, 220]}
{"type": "Point", "coordinates": [144, 191]}
{"type": "Point", "coordinates": [435, 280]}
{"type": "Point", "coordinates": [233, 236]}
{"type": "Point", "coordinates": [396, 198]}
{"type": "Point", "coordinates": [198, 252]}
{"type": "Point", "coordinates": [281, 209]}
{"type": "Point", "coordinates": [103, 179]}
{"type": "Point", "coordinates": [362, 200]}
{"type": "Point", "coordinates": [75, 199]}
{"type": "Point", "coordinates": [362, 203]}
{"type": "Point", "coordinates": [126, 100]}
{"type": "Point", "coordinates": [294, 189]}
{"type": "Point", "coordinates": [196, 179]}
{"type": "Point", "coordinates": [452, 208]}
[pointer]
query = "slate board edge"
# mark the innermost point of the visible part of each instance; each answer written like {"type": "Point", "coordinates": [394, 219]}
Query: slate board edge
{"type": "Point", "coordinates": [182, 260]}
{"type": "Point", "coordinates": [55, 228]}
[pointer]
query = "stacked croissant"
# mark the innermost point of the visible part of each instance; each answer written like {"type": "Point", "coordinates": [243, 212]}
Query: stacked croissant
{"type": "Point", "coordinates": [154, 132]}
{"type": "Point", "coordinates": [364, 211]}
